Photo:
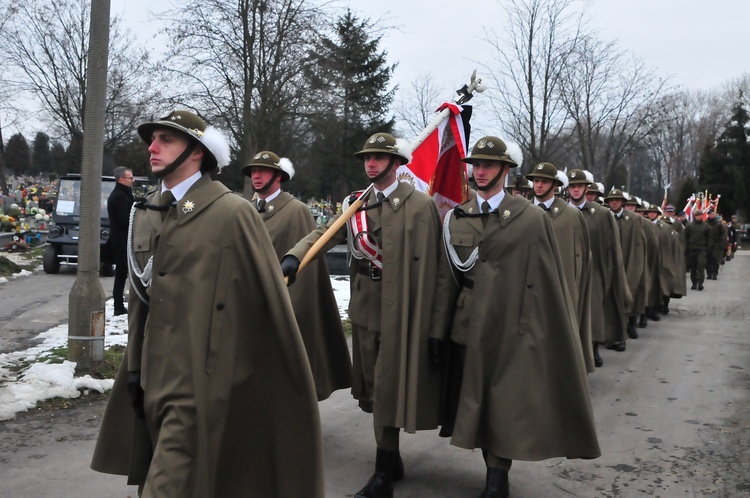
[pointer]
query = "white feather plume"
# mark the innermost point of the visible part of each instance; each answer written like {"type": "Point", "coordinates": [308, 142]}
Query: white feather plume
{"type": "Point", "coordinates": [589, 176]}
{"type": "Point", "coordinates": [563, 178]}
{"type": "Point", "coordinates": [216, 142]}
{"type": "Point", "coordinates": [601, 186]}
{"type": "Point", "coordinates": [404, 148]}
{"type": "Point", "coordinates": [514, 151]}
{"type": "Point", "coordinates": [287, 167]}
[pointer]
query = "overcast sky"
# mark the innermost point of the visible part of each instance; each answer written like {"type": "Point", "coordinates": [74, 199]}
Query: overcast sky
{"type": "Point", "coordinates": [700, 43]}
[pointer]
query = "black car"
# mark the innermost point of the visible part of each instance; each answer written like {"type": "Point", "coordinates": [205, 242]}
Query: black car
{"type": "Point", "coordinates": [62, 239]}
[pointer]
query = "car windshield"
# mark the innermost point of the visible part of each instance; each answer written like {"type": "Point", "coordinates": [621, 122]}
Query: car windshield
{"type": "Point", "coordinates": [69, 198]}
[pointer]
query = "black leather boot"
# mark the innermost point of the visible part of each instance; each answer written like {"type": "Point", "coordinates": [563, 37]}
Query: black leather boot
{"type": "Point", "coordinates": [632, 332]}
{"type": "Point", "coordinates": [398, 467]}
{"type": "Point", "coordinates": [664, 310]}
{"type": "Point", "coordinates": [643, 321]}
{"type": "Point", "coordinates": [497, 484]}
{"type": "Point", "coordinates": [380, 484]}
{"type": "Point", "coordinates": [654, 314]}
{"type": "Point", "coordinates": [597, 359]}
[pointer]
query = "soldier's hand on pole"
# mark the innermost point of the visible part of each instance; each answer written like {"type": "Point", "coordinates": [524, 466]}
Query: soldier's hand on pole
{"type": "Point", "coordinates": [290, 267]}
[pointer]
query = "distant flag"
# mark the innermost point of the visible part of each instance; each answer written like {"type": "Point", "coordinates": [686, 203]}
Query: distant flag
{"type": "Point", "coordinates": [436, 167]}
{"type": "Point", "coordinates": [689, 207]}
{"type": "Point", "coordinates": [664, 202]}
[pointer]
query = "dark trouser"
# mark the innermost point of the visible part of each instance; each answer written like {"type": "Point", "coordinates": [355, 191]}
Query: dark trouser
{"type": "Point", "coordinates": [118, 288]}
{"type": "Point", "coordinates": [696, 265]}
{"type": "Point", "coordinates": [367, 348]}
{"type": "Point", "coordinates": [712, 263]}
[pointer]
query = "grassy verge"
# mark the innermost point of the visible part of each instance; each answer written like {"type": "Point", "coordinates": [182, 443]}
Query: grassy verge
{"type": "Point", "coordinates": [30, 260]}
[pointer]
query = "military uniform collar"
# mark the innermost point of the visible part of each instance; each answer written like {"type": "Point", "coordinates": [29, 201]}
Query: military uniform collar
{"type": "Point", "coordinates": [179, 190]}
{"type": "Point", "coordinates": [494, 201]}
{"type": "Point", "coordinates": [510, 208]}
{"type": "Point", "coordinates": [397, 195]}
{"type": "Point", "coordinates": [201, 195]}
{"type": "Point", "coordinates": [280, 199]}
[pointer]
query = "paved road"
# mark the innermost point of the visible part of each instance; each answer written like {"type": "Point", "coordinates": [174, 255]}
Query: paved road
{"type": "Point", "coordinates": [672, 413]}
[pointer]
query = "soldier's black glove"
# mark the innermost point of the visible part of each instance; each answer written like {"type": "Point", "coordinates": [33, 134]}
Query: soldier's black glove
{"type": "Point", "coordinates": [135, 392]}
{"type": "Point", "coordinates": [437, 349]}
{"type": "Point", "coordinates": [289, 267]}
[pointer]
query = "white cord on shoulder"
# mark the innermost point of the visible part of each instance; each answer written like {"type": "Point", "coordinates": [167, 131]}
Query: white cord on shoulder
{"type": "Point", "coordinates": [462, 266]}
{"type": "Point", "coordinates": [143, 275]}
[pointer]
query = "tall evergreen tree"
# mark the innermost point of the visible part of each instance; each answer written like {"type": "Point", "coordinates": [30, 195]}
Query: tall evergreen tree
{"type": "Point", "coordinates": [41, 160]}
{"type": "Point", "coordinates": [352, 77]}
{"type": "Point", "coordinates": [57, 158]}
{"type": "Point", "coordinates": [18, 155]}
{"type": "Point", "coordinates": [725, 165]}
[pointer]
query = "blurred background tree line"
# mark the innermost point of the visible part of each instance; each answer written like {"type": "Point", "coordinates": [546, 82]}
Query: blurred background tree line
{"type": "Point", "coordinates": [312, 84]}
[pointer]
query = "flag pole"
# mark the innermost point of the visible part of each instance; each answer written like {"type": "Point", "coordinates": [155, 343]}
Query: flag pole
{"type": "Point", "coordinates": [465, 94]}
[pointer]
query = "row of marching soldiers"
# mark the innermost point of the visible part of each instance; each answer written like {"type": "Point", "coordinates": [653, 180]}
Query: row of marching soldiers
{"type": "Point", "coordinates": [483, 323]}
{"type": "Point", "coordinates": [637, 255]}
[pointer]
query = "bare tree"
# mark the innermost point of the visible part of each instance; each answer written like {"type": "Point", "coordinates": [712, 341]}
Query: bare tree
{"type": "Point", "coordinates": [612, 102]}
{"type": "Point", "coordinates": [48, 44]}
{"type": "Point", "coordinates": [528, 62]}
{"type": "Point", "coordinates": [242, 63]}
{"type": "Point", "coordinates": [691, 119]}
{"type": "Point", "coordinates": [415, 107]}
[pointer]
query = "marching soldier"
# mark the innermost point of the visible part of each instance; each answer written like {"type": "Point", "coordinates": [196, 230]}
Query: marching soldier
{"type": "Point", "coordinates": [222, 396]}
{"type": "Point", "coordinates": [573, 243]}
{"type": "Point", "coordinates": [667, 264]}
{"type": "Point", "coordinates": [697, 242]}
{"type": "Point", "coordinates": [678, 230]}
{"type": "Point", "coordinates": [653, 258]}
{"type": "Point", "coordinates": [502, 299]}
{"type": "Point", "coordinates": [288, 221]}
{"type": "Point", "coordinates": [595, 192]}
{"type": "Point", "coordinates": [520, 187]}
{"type": "Point", "coordinates": [633, 243]}
{"type": "Point", "coordinates": [718, 244]}
{"type": "Point", "coordinates": [394, 241]}
{"type": "Point", "coordinates": [609, 290]}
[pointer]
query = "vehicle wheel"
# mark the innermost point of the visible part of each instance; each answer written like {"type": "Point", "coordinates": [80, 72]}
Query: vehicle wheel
{"type": "Point", "coordinates": [50, 262]}
{"type": "Point", "coordinates": [107, 269]}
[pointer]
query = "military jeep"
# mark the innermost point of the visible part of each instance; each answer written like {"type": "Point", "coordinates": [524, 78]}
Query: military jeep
{"type": "Point", "coordinates": [62, 239]}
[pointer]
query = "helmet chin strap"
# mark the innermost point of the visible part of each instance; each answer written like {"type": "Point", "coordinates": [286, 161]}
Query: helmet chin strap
{"type": "Point", "coordinates": [265, 187]}
{"type": "Point", "coordinates": [494, 181]}
{"type": "Point", "coordinates": [545, 194]}
{"type": "Point", "coordinates": [577, 199]}
{"type": "Point", "coordinates": [387, 170]}
{"type": "Point", "coordinates": [171, 167]}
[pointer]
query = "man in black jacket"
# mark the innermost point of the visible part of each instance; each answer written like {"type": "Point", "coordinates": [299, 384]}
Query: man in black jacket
{"type": "Point", "coordinates": [118, 208]}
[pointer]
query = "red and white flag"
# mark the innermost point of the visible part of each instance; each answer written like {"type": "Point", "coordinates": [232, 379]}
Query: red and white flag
{"type": "Point", "coordinates": [436, 167]}
{"type": "Point", "coordinates": [689, 207]}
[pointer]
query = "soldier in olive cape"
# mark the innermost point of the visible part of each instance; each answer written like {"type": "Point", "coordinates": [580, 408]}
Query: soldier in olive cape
{"type": "Point", "coordinates": [288, 221]}
{"type": "Point", "coordinates": [632, 204]}
{"type": "Point", "coordinates": [395, 242]}
{"type": "Point", "coordinates": [633, 243]}
{"type": "Point", "coordinates": [573, 243]}
{"type": "Point", "coordinates": [667, 265]}
{"type": "Point", "coordinates": [502, 300]}
{"type": "Point", "coordinates": [609, 289]}
{"type": "Point", "coordinates": [718, 244]}
{"type": "Point", "coordinates": [222, 398]}
{"type": "Point", "coordinates": [697, 242]}
{"type": "Point", "coordinates": [653, 255]}
{"type": "Point", "coordinates": [680, 287]}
